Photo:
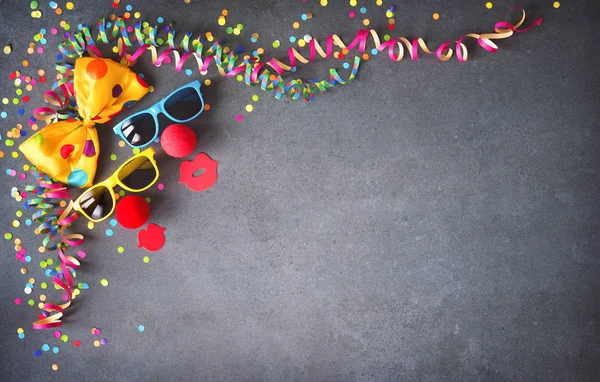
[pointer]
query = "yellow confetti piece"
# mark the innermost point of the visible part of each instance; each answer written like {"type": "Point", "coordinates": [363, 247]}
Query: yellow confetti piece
{"type": "Point", "coordinates": [54, 367]}
{"type": "Point", "coordinates": [489, 5]}
{"type": "Point", "coordinates": [436, 16]}
{"type": "Point", "coordinates": [146, 259]}
{"type": "Point", "coordinates": [556, 4]}
{"type": "Point", "coordinates": [7, 49]}
{"type": "Point", "coordinates": [324, 3]}
{"type": "Point", "coordinates": [104, 282]}
{"type": "Point", "coordinates": [70, 5]}
{"type": "Point", "coordinates": [296, 25]}
{"type": "Point", "coordinates": [249, 108]}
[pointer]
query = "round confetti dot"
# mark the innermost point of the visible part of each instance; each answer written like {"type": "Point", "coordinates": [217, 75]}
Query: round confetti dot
{"type": "Point", "coordinates": [103, 341]}
{"type": "Point", "coordinates": [104, 282]}
{"type": "Point", "coordinates": [363, 10]}
{"type": "Point", "coordinates": [18, 301]}
{"type": "Point", "coordinates": [249, 108]}
{"type": "Point", "coordinates": [54, 367]}
{"type": "Point", "coordinates": [55, 350]}
{"type": "Point", "coordinates": [556, 4]}
{"type": "Point", "coordinates": [37, 353]}
{"type": "Point", "coordinates": [8, 236]}
{"type": "Point", "coordinates": [206, 107]}
{"type": "Point", "coordinates": [353, 3]}
{"type": "Point", "coordinates": [113, 157]}
{"type": "Point", "coordinates": [109, 232]}
{"type": "Point", "coordinates": [296, 25]}
{"type": "Point", "coordinates": [255, 97]}
{"type": "Point", "coordinates": [56, 334]}
{"type": "Point", "coordinates": [276, 44]}
{"type": "Point", "coordinates": [160, 186]}
{"type": "Point", "coordinates": [366, 22]}
{"type": "Point", "coordinates": [324, 3]}
{"type": "Point", "coordinates": [120, 249]}
{"type": "Point", "coordinates": [34, 5]}
{"type": "Point", "coordinates": [45, 347]}
{"type": "Point", "coordinates": [96, 343]}
{"type": "Point", "coordinates": [146, 259]}
{"type": "Point", "coordinates": [113, 222]}
{"type": "Point", "coordinates": [436, 16]}
{"type": "Point", "coordinates": [77, 343]}
{"type": "Point", "coordinates": [489, 5]}
{"type": "Point", "coordinates": [64, 338]}
{"type": "Point", "coordinates": [239, 118]}
{"type": "Point", "coordinates": [352, 14]}
{"type": "Point", "coordinates": [70, 5]}
{"type": "Point", "coordinates": [90, 225]}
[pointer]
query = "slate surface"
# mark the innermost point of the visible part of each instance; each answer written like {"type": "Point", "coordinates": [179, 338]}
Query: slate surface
{"type": "Point", "coordinates": [429, 221]}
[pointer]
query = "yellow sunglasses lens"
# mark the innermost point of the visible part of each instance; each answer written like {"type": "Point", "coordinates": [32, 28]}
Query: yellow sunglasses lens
{"type": "Point", "coordinates": [138, 173]}
{"type": "Point", "coordinates": [96, 203]}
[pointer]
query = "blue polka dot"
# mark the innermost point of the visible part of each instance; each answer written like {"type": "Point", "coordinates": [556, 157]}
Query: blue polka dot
{"type": "Point", "coordinates": [188, 72]}
{"type": "Point", "coordinates": [21, 335]}
{"type": "Point", "coordinates": [129, 8]}
{"type": "Point", "coordinates": [374, 51]}
{"type": "Point", "coordinates": [292, 39]}
{"type": "Point", "coordinates": [37, 353]}
{"type": "Point", "coordinates": [109, 232]}
{"type": "Point", "coordinates": [304, 17]}
{"type": "Point", "coordinates": [141, 328]}
{"type": "Point", "coordinates": [346, 65]}
{"type": "Point", "coordinates": [55, 350]}
{"type": "Point", "coordinates": [3, 114]}
{"type": "Point", "coordinates": [113, 222]}
{"type": "Point", "coordinates": [28, 222]}
{"type": "Point", "coordinates": [363, 10]}
{"type": "Point", "coordinates": [160, 19]}
{"type": "Point", "coordinates": [77, 178]}
{"type": "Point", "coordinates": [43, 31]}
{"type": "Point", "coordinates": [28, 258]}
{"type": "Point", "coordinates": [45, 347]}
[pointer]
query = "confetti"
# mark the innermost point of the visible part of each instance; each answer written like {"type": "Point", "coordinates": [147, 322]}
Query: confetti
{"type": "Point", "coordinates": [436, 16]}
{"type": "Point", "coordinates": [7, 50]}
{"type": "Point", "coordinates": [141, 328]}
{"type": "Point", "coordinates": [104, 282]}
{"type": "Point", "coordinates": [146, 259]}
{"type": "Point", "coordinates": [54, 366]}
{"type": "Point", "coordinates": [556, 4]}
{"type": "Point", "coordinates": [489, 5]}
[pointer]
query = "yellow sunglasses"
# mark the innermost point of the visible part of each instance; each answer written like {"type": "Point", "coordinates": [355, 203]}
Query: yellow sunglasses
{"type": "Point", "coordinates": [137, 174]}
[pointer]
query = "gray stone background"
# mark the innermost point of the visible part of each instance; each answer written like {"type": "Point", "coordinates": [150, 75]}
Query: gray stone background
{"type": "Point", "coordinates": [429, 221]}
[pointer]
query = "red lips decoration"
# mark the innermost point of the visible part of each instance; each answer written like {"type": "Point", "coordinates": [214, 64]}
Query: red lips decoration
{"type": "Point", "coordinates": [152, 238]}
{"type": "Point", "coordinates": [202, 181]}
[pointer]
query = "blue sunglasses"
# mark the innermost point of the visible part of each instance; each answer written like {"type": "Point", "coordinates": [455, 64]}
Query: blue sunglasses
{"type": "Point", "coordinates": [182, 105]}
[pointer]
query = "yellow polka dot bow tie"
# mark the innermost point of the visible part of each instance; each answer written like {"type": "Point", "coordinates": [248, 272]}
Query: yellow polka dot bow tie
{"type": "Point", "coordinates": [67, 151]}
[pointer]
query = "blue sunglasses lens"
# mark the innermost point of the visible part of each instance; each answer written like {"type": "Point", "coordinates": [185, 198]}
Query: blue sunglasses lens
{"type": "Point", "coordinates": [139, 129]}
{"type": "Point", "coordinates": [183, 105]}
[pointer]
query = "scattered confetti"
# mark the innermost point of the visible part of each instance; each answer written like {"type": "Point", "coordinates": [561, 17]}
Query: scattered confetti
{"type": "Point", "coordinates": [104, 282]}
{"type": "Point", "coordinates": [7, 49]}
{"type": "Point", "coordinates": [489, 5]}
{"type": "Point", "coordinates": [556, 4]}
{"type": "Point", "coordinates": [146, 259]}
{"type": "Point", "coordinates": [436, 16]}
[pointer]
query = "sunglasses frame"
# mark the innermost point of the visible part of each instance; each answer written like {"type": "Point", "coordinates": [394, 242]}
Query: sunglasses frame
{"type": "Point", "coordinates": [111, 182]}
{"type": "Point", "coordinates": [159, 108]}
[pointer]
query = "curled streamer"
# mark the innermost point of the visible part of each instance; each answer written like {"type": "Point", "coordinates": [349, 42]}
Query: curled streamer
{"type": "Point", "coordinates": [256, 72]}
{"type": "Point", "coordinates": [53, 225]}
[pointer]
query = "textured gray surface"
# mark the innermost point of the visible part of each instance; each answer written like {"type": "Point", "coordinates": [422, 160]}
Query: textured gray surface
{"type": "Point", "coordinates": [430, 221]}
